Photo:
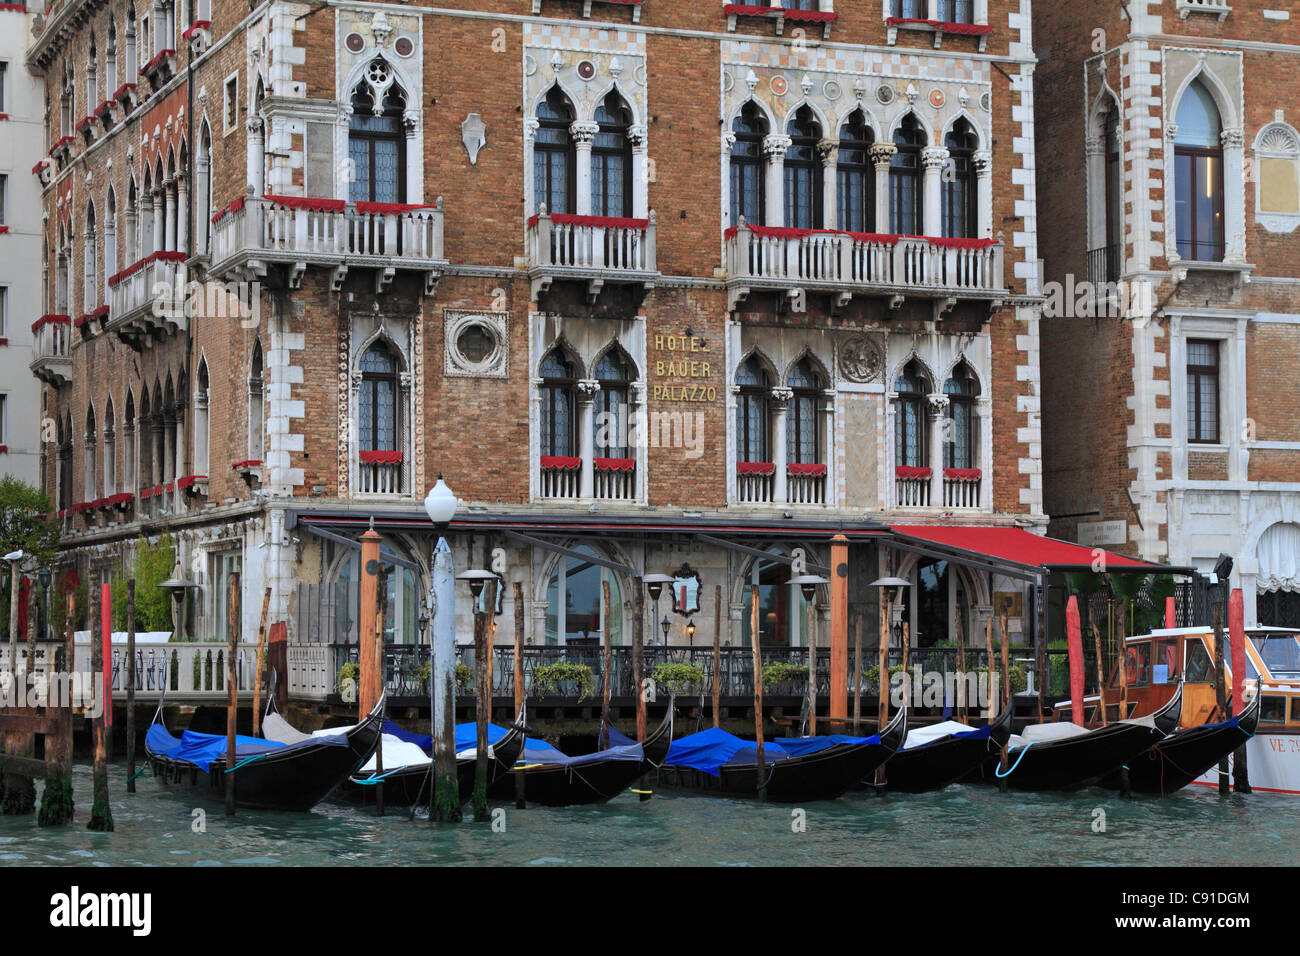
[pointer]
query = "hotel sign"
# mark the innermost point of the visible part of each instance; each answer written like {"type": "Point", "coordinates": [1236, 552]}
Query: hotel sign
{"type": "Point", "coordinates": [679, 360]}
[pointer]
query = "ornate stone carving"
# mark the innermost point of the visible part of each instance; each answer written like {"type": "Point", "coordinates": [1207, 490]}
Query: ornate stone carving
{"type": "Point", "coordinates": [775, 145]}
{"type": "Point", "coordinates": [587, 389]}
{"type": "Point", "coordinates": [781, 397]}
{"type": "Point", "coordinates": [882, 154]}
{"type": "Point", "coordinates": [861, 358]}
{"type": "Point", "coordinates": [583, 132]}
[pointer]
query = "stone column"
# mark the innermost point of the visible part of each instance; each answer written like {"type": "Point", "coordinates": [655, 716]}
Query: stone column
{"type": "Point", "coordinates": [169, 214]}
{"type": "Point", "coordinates": [583, 133]}
{"type": "Point", "coordinates": [828, 150]}
{"type": "Point", "coordinates": [781, 396]}
{"type": "Point", "coordinates": [256, 154]}
{"type": "Point", "coordinates": [983, 162]}
{"type": "Point", "coordinates": [587, 389]}
{"type": "Point", "coordinates": [1234, 212]}
{"type": "Point", "coordinates": [933, 160]}
{"type": "Point", "coordinates": [1095, 150]}
{"type": "Point", "coordinates": [882, 155]}
{"type": "Point", "coordinates": [158, 218]}
{"type": "Point", "coordinates": [638, 137]}
{"type": "Point", "coordinates": [937, 407]}
{"type": "Point", "coordinates": [414, 159]}
{"type": "Point", "coordinates": [182, 214]}
{"type": "Point", "coordinates": [774, 148]}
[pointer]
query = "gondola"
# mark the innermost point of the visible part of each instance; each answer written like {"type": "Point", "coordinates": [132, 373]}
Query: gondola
{"type": "Point", "coordinates": [269, 774]}
{"type": "Point", "coordinates": [1183, 756]}
{"type": "Point", "coordinates": [935, 759]}
{"type": "Point", "coordinates": [408, 782]}
{"type": "Point", "coordinates": [407, 759]}
{"type": "Point", "coordinates": [1060, 756]}
{"type": "Point", "coordinates": [554, 779]}
{"type": "Point", "coordinates": [796, 769]}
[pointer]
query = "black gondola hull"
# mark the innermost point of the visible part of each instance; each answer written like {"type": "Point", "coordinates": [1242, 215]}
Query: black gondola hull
{"type": "Point", "coordinates": [1075, 762]}
{"type": "Point", "coordinates": [411, 785]}
{"type": "Point", "coordinates": [295, 780]}
{"type": "Point", "coordinates": [948, 760]}
{"type": "Point", "coordinates": [821, 776]}
{"type": "Point", "coordinates": [1180, 758]}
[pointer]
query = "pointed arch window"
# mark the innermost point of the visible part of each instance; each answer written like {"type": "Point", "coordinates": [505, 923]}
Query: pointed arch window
{"type": "Point", "coordinates": [128, 444]}
{"type": "Point", "coordinates": [803, 172]}
{"type": "Point", "coordinates": [377, 140]}
{"type": "Point", "coordinates": [110, 241]}
{"type": "Point", "coordinates": [909, 9]}
{"type": "Point", "coordinates": [109, 466]}
{"type": "Point", "coordinates": [575, 603]}
{"type": "Point", "coordinates": [1198, 176]}
{"type": "Point", "coordinates": [378, 403]}
{"type": "Point", "coordinates": [559, 405]}
{"type": "Point", "coordinates": [753, 415]}
{"type": "Point", "coordinates": [962, 390]}
{"type": "Point", "coordinates": [855, 178]}
{"type": "Point", "coordinates": [256, 416]}
{"type": "Point", "coordinates": [65, 462]}
{"type": "Point", "coordinates": [554, 158]}
{"type": "Point", "coordinates": [803, 425]}
{"type": "Point", "coordinates": [905, 185]}
{"type": "Point", "coordinates": [611, 159]}
{"type": "Point", "coordinates": [747, 198]}
{"type": "Point", "coordinates": [89, 484]}
{"type": "Point", "coordinates": [615, 377]}
{"type": "Point", "coordinates": [90, 262]}
{"type": "Point", "coordinates": [201, 435]}
{"type": "Point", "coordinates": [911, 443]}
{"type": "Point", "coordinates": [960, 192]}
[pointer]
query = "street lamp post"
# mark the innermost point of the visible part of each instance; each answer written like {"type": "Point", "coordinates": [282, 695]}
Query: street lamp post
{"type": "Point", "coordinates": [808, 585]}
{"type": "Point", "coordinates": [477, 579]}
{"type": "Point", "coordinates": [887, 612]}
{"type": "Point", "coordinates": [440, 604]}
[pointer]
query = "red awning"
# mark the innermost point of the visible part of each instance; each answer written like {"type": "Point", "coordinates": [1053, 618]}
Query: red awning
{"type": "Point", "coordinates": [1018, 546]}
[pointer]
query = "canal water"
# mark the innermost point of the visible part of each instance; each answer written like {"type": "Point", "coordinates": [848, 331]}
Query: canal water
{"type": "Point", "coordinates": [962, 825]}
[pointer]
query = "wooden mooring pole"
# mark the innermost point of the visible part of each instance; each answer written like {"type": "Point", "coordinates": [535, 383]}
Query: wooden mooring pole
{"type": "Point", "coordinates": [232, 638]}
{"type": "Point", "coordinates": [961, 695]}
{"type": "Point", "coordinates": [755, 643]}
{"type": "Point", "coordinates": [130, 685]}
{"type": "Point", "coordinates": [1220, 690]}
{"type": "Point", "coordinates": [259, 665]}
{"type": "Point", "coordinates": [607, 667]}
{"type": "Point", "coordinates": [520, 796]}
{"type": "Point", "coordinates": [638, 677]}
{"type": "Point", "coordinates": [482, 697]}
{"type": "Point", "coordinates": [56, 802]}
{"type": "Point", "coordinates": [717, 653]}
{"type": "Point", "coordinates": [857, 673]}
{"type": "Point", "coordinates": [101, 814]}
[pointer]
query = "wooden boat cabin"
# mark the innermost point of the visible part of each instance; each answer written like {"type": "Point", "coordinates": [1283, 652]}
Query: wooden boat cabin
{"type": "Point", "coordinates": [1155, 662]}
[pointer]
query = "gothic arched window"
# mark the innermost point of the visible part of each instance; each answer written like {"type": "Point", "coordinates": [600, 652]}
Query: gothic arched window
{"type": "Point", "coordinates": [803, 425]}
{"type": "Point", "coordinates": [960, 216]}
{"type": "Point", "coordinates": [855, 178]}
{"type": "Point", "coordinates": [554, 162]}
{"type": "Point", "coordinates": [613, 373]}
{"type": "Point", "coordinates": [905, 183]}
{"type": "Point", "coordinates": [747, 197]}
{"type": "Point", "coordinates": [961, 389]}
{"type": "Point", "coordinates": [752, 415]}
{"type": "Point", "coordinates": [1198, 176]}
{"type": "Point", "coordinates": [803, 172]}
{"type": "Point", "coordinates": [377, 143]}
{"type": "Point", "coordinates": [559, 405]}
{"type": "Point", "coordinates": [611, 159]}
{"type": "Point", "coordinates": [911, 447]}
{"type": "Point", "coordinates": [377, 403]}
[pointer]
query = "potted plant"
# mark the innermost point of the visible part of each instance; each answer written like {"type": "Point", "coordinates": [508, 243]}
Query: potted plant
{"type": "Point", "coordinates": [680, 677]}
{"type": "Point", "coordinates": [563, 677]}
{"type": "Point", "coordinates": [783, 672]}
{"type": "Point", "coordinates": [349, 672]}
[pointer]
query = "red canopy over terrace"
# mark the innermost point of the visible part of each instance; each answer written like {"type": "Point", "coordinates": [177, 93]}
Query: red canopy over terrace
{"type": "Point", "coordinates": [1018, 546]}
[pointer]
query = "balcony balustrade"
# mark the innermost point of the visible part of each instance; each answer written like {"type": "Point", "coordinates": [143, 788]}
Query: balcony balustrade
{"type": "Point", "coordinates": [591, 249]}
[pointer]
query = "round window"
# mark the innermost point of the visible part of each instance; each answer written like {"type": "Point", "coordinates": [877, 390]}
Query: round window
{"type": "Point", "coordinates": [355, 43]}
{"type": "Point", "coordinates": [476, 343]}
{"type": "Point", "coordinates": [404, 46]}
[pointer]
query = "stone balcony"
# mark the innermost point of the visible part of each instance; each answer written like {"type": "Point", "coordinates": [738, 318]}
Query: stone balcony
{"type": "Point", "coordinates": [253, 234]}
{"type": "Point", "coordinates": [147, 299]}
{"type": "Point", "coordinates": [51, 361]}
{"type": "Point", "coordinates": [595, 250]}
{"type": "Point", "coordinates": [845, 264]}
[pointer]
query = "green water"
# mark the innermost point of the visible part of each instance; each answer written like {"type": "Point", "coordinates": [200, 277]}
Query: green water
{"type": "Point", "coordinates": [968, 825]}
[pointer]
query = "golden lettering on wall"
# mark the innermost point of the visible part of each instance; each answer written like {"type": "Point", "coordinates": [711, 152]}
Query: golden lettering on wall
{"type": "Point", "coordinates": [681, 357]}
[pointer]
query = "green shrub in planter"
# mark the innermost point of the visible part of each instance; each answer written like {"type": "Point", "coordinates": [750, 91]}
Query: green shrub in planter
{"type": "Point", "coordinates": [872, 674]}
{"type": "Point", "coordinates": [678, 677]}
{"type": "Point", "coordinates": [349, 671]}
{"type": "Point", "coordinates": [782, 672]}
{"type": "Point", "coordinates": [464, 676]}
{"type": "Point", "coordinates": [549, 677]}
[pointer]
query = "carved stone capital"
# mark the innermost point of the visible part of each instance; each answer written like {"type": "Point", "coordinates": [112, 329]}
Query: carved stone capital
{"type": "Point", "coordinates": [1232, 139]}
{"type": "Point", "coordinates": [882, 154]}
{"type": "Point", "coordinates": [934, 157]}
{"type": "Point", "coordinates": [828, 149]}
{"type": "Point", "coordinates": [781, 397]}
{"type": "Point", "coordinates": [588, 388]}
{"type": "Point", "coordinates": [982, 160]}
{"type": "Point", "coordinates": [775, 145]}
{"type": "Point", "coordinates": [637, 136]}
{"type": "Point", "coordinates": [583, 132]}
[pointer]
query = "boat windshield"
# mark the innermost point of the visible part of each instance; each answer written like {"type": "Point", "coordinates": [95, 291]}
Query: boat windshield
{"type": "Point", "coordinates": [1200, 665]}
{"type": "Point", "coordinates": [1281, 654]}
